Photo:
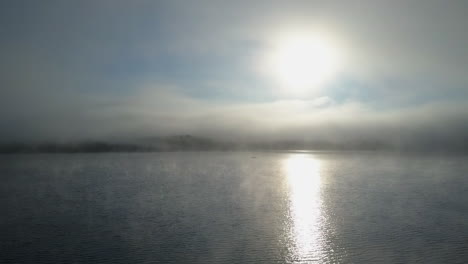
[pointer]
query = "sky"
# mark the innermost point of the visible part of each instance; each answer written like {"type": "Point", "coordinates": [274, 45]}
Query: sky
{"type": "Point", "coordinates": [394, 71]}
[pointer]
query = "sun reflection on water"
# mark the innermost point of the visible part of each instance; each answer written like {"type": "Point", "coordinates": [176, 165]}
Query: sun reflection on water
{"type": "Point", "coordinates": [306, 217]}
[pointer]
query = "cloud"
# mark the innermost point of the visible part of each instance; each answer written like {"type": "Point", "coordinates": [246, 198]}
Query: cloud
{"type": "Point", "coordinates": [161, 68]}
{"type": "Point", "coordinates": [159, 109]}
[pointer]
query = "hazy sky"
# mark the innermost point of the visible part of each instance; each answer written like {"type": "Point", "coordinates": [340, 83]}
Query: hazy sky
{"type": "Point", "coordinates": [97, 69]}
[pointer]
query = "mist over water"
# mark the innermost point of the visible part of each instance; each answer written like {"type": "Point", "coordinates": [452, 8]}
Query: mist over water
{"type": "Point", "coordinates": [161, 131]}
{"type": "Point", "coordinates": [234, 207]}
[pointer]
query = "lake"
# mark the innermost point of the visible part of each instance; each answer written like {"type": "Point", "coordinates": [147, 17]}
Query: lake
{"type": "Point", "coordinates": [234, 207]}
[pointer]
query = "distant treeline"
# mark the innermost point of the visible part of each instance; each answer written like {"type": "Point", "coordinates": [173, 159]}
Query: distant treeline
{"type": "Point", "coordinates": [191, 143]}
{"type": "Point", "coordinates": [176, 143]}
{"type": "Point", "coordinates": [68, 147]}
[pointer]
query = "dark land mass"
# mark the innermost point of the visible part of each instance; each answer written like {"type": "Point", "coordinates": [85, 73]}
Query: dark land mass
{"type": "Point", "coordinates": [175, 143]}
{"type": "Point", "coordinates": [192, 143]}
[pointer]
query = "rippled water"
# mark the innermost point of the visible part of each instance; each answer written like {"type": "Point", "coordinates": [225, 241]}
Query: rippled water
{"type": "Point", "coordinates": [210, 207]}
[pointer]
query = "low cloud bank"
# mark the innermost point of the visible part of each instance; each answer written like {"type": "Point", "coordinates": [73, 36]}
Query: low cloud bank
{"type": "Point", "coordinates": [160, 112]}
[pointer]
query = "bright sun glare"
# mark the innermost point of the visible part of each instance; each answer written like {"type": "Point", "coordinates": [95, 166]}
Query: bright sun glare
{"type": "Point", "coordinates": [301, 62]}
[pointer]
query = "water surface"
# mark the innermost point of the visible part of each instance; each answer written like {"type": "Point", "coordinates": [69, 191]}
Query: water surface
{"type": "Point", "coordinates": [234, 207]}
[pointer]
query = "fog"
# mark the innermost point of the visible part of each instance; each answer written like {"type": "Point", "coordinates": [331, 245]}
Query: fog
{"type": "Point", "coordinates": [155, 113]}
{"type": "Point", "coordinates": [115, 71]}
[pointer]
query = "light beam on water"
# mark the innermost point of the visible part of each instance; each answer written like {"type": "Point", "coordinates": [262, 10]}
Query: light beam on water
{"type": "Point", "coordinates": [306, 217]}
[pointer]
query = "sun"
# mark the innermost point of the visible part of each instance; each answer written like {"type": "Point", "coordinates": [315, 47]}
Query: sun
{"type": "Point", "coordinates": [301, 62]}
